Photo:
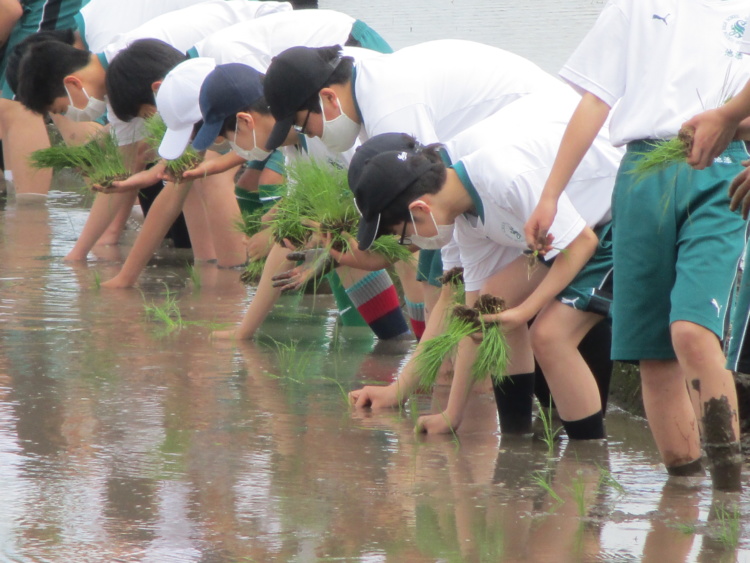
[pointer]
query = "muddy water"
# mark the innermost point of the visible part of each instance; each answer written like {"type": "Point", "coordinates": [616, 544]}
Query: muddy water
{"type": "Point", "coordinates": [123, 439]}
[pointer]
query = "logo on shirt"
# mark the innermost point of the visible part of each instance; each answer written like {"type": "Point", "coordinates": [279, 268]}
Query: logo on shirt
{"type": "Point", "coordinates": [734, 29]}
{"type": "Point", "coordinates": [661, 18]}
{"type": "Point", "coordinates": [511, 232]}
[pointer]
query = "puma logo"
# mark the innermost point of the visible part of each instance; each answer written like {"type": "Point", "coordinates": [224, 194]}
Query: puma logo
{"type": "Point", "coordinates": [715, 303]}
{"type": "Point", "coordinates": [661, 18]}
{"type": "Point", "coordinates": [571, 302]}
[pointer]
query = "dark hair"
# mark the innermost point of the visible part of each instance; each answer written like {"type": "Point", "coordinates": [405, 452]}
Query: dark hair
{"type": "Point", "coordinates": [259, 106]}
{"type": "Point", "coordinates": [341, 75]}
{"type": "Point", "coordinates": [431, 182]}
{"type": "Point", "coordinates": [42, 70]}
{"type": "Point", "coordinates": [132, 72]}
{"type": "Point", "coordinates": [66, 36]}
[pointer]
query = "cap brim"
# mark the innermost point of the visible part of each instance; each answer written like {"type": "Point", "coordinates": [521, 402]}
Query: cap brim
{"type": "Point", "coordinates": [175, 142]}
{"type": "Point", "coordinates": [367, 231]}
{"type": "Point", "coordinates": [206, 135]}
{"type": "Point", "coordinates": [279, 133]}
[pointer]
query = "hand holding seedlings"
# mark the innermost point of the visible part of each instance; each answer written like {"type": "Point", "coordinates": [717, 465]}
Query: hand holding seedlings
{"type": "Point", "coordinates": [537, 227]}
{"type": "Point", "coordinates": [316, 262]}
{"type": "Point", "coordinates": [739, 191]}
{"type": "Point", "coordinates": [135, 182]}
{"type": "Point", "coordinates": [712, 132]}
{"type": "Point", "coordinates": [355, 258]}
{"type": "Point", "coordinates": [375, 397]}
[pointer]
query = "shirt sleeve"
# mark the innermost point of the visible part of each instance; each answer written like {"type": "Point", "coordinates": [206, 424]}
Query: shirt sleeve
{"type": "Point", "coordinates": [416, 120]}
{"type": "Point", "coordinates": [599, 63]}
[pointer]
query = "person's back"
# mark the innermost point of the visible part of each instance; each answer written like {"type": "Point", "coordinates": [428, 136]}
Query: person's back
{"type": "Point", "coordinates": [455, 83]}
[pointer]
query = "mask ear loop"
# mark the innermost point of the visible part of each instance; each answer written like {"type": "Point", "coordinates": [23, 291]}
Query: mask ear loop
{"type": "Point", "coordinates": [437, 230]}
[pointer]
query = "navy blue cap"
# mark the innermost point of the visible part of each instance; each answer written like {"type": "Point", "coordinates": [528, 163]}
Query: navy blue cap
{"type": "Point", "coordinates": [227, 89]}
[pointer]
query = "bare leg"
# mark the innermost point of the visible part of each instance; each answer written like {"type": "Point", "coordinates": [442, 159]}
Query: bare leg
{"type": "Point", "coordinates": [555, 336]}
{"type": "Point", "coordinates": [223, 215]}
{"type": "Point", "coordinates": [669, 411]}
{"type": "Point", "coordinates": [165, 209]}
{"type": "Point", "coordinates": [105, 208]}
{"type": "Point", "coordinates": [264, 299]}
{"type": "Point", "coordinates": [23, 133]}
{"type": "Point", "coordinates": [197, 224]}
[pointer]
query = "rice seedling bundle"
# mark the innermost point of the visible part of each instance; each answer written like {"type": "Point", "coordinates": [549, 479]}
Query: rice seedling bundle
{"type": "Point", "coordinates": [189, 159]}
{"type": "Point", "coordinates": [461, 323]}
{"type": "Point", "coordinates": [663, 155]}
{"type": "Point", "coordinates": [251, 222]}
{"type": "Point", "coordinates": [492, 354]}
{"type": "Point", "coordinates": [318, 199]}
{"type": "Point", "coordinates": [455, 278]}
{"type": "Point", "coordinates": [99, 161]}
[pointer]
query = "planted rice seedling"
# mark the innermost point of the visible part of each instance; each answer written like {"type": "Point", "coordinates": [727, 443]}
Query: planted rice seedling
{"type": "Point", "coordinates": [728, 520]}
{"type": "Point", "coordinates": [167, 314]}
{"type": "Point", "coordinates": [606, 479]}
{"type": "Point", "coordinates": [189, 159]}
{"type": "Point", "coordinates": [687, 528]}
{"type": "Point", "coordinates": [195, 276]}
{"type": "Point", "coordinates": [99, 161]}
{"type": "Point", "coordinates": [578, 490]}
{"type": "Point", "coordinates": [97, 280]}
{"type": "Point", "coordinates": [542, 480]}
{"type": "Point", "coordinates": [253, 271]}
{"type": "Point", "coordinates": [549, 432]}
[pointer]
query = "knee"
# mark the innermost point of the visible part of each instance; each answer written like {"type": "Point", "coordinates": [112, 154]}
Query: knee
{"type": "Point", "coordinates": [544, 338]}
{"type": "Point", "coordinates": [693, 343]}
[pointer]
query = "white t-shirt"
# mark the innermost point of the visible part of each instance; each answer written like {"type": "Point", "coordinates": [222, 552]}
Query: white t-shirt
{"type": "Point", "coordinates": [506, 159]}
{"type": "Point", "coordinates": [100, 21]}
{"type": "Point", "coordinates": [182, 29]}
{"type": "Point", "coordinates": [745, 41]}
{"type": "Point", "coordinates": [437, 89]}
{"type": "Point", "coordinates": [662, 62]}
{"type": "Point", "coordinates": [256, 42]}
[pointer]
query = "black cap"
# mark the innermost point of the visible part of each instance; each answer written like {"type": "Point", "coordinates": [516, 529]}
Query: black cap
{"type": "Point", "coordinates": [227, 89]}
{"type": "Point", "coordinates": [380, 181]}
{"type": "Point", "coordinates": [379, 144]}
{"type": "Point", "coordinates": [293, 77]}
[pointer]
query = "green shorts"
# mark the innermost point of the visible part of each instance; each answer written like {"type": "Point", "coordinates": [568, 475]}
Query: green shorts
{"type": "Point", "coordinates": [676, 245]}
{"type": "Point", "coordinates": [430, 267]}
{"type": "Point", "coordinates": [38, 15]}
{"type": "Point", "coordinates": [249, 202]}
{"type": "Point", "coordinates": [591, 289]}
{"type": "Point", "coordinates": [738, 348]}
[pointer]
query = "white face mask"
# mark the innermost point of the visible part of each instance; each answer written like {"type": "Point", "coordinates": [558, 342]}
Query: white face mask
{"type": "Point", "coordinates": [255, 153]}
{"type": "Point", "coordinates": [340, 133]}
{"type": "Point", "coordinates": [94, 109]}
{"type": "Point", "coordinates": [444, 235]}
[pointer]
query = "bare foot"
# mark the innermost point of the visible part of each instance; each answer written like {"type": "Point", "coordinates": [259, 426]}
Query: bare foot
{"type": "Point", "coordinates": [224, 334]}
{"type": "Point", "coordinates": [118, 283]}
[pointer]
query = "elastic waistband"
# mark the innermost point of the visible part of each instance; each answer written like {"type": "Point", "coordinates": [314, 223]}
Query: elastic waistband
{"type": "Point", "coordinates": [735, 148]}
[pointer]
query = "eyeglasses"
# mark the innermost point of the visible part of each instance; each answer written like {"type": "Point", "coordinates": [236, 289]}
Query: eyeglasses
{"type": "Point", "coordinates": [301, 129]}
{"type": "Point", "coordinates": [403, 239]}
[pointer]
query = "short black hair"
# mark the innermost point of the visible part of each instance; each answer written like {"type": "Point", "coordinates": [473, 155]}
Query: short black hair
{"type": "Point", "coordinates": [132, 72]}
{"type": "Point", "coordinates": [431, 182]}
{"type": "Point", "coordinates": [341, 75]}
{"type": "Point", "coordinates": [42, 70]}
{"type": "Point", "coordinates": [259, 106]}
{"type": "Point", "coordinates": [66, 36]}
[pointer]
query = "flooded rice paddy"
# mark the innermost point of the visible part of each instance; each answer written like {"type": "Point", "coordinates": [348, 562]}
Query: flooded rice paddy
{"type": "Point", "coordinates": [125, 439]}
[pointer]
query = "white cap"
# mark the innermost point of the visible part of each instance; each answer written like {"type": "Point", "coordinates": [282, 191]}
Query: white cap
{"type": "Point", "coordinates": [177, 103]}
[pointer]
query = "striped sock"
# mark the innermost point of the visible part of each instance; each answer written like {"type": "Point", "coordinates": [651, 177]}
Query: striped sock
{"type": "Point", "coordinates": [415, 312]}
{"type": "Point", "coordinates": [377, 301]}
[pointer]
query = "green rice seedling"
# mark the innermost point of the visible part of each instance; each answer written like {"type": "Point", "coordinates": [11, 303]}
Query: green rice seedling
{"type": "Point", "coordinates": [549, 432]}
{"type": "Point", "coordinates": [578, 490]}
{"type": "Point", "coordinates": [343, 392]}
{"type": "Point", "coordinates": [462, 323]}
{"type": "Point", "coordinates": [189, 159]}
{"type": "Point", "coordinates": [252, 272]}
{"type": "Point", "coordinates": [195, 276]}
{"type": "Point", "coordinates": [663, 155]}
{"type": "Point", "coordinates": [541, 479]}
{"type": "Point", "coordinates": [251, 223]}
{"type": "Point", "coordinates": [413, 411]}
{"type": "Point", "coordinates": [687, 528]}
{"type": "Point", "coordinates": [606, 479]}
{"type": "Point", "coordinates": [388, 247]}
{"type": "Point", "coordinates": [99, 161]}
{"type": "Point", "coordinates": [455, 278]}
{"type": "Point", "coordinates": [97, 280]}
{"type": "Point", "coordinates": [290, 360]}
{"type": "Point", "coordinates": [492, 354]}
{"type": "Point", "coordinates": [728, 520]}
{"type": "Point", "coordinates": [167, 314]}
